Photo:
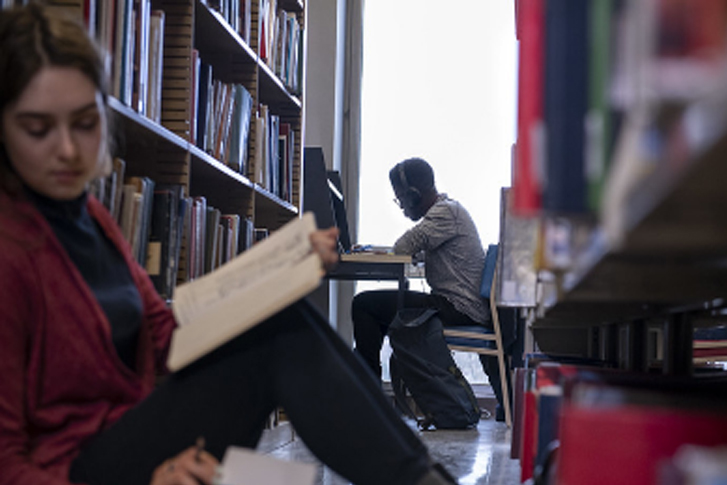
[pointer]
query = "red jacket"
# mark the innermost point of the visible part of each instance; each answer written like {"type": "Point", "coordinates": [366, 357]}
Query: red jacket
{"type": "Point", "coordinates": [61, 380]}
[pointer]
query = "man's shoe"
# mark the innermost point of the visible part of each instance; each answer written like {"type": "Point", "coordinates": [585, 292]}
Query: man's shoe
{"type": "Point", "coordinates": [500, 413]}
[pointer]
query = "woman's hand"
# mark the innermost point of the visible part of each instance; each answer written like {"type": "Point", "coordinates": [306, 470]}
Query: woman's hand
{"type": "Point", "coordinates": [190, 467]}
{"type": "Point", "coordinates": [325, 243]}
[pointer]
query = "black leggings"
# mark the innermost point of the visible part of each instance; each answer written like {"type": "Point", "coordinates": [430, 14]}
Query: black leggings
{"type": "Point", "coordinates": [294, 360]}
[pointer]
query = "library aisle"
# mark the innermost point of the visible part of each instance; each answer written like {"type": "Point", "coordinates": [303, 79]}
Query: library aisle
{"type": "Point", "coordinates": [478, 456]}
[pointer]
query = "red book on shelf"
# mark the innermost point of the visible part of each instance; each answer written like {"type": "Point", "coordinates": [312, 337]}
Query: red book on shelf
{"type": "Point", "coordinates": [529, 435]}
{"type": "Point", "coordinates": [628, 444]}
{"type": "Point", "coordinates": [518, 411]}
{"type": "Point", "coordinates": [528, 162]}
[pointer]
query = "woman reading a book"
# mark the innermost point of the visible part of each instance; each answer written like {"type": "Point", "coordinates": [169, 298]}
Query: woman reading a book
{"type": "Point", "coordinates": [83, 334]}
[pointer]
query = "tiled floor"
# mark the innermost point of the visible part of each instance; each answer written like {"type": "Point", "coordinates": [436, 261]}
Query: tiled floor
{"type": "Point", "coordinates": [478, 456]}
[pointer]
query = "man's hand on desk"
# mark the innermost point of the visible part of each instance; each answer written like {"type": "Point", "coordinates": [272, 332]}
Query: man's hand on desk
{"type": "Point", "coordinates": [325, 243]}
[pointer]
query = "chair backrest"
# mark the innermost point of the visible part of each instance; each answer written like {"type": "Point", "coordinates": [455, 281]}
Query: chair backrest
{"type": "Point", "coordinates": [488, 273]}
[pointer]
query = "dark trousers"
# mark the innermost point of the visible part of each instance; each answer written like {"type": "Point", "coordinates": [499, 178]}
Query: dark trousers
{"type": "Point", "coordinates": [294, 360]}
{"type": "Point", "coordinates": [373, 311]}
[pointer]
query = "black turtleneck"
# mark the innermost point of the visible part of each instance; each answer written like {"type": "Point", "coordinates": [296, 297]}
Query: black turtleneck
{"type": "Point", "coordinates": [102, 266]}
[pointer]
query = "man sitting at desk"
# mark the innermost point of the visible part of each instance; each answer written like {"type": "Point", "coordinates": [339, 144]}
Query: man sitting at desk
{"type": "Point", "coordinates": [453, 256]}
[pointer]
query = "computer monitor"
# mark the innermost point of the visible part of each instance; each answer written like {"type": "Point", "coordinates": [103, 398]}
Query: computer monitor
{"type": "Point", "coordinates": [322, 195]}
{"type": "Point", "coordinates": [316, 194]}
{"type": "Point", "coordinates": [339, 210]}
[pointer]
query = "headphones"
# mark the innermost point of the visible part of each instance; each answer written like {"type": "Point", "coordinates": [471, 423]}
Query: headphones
{"type": "Point", "coordinates": [412, 196]}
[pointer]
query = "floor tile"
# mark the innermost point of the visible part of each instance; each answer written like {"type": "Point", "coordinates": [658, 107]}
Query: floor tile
{"type": "Point", "coordinates": [479, 456]}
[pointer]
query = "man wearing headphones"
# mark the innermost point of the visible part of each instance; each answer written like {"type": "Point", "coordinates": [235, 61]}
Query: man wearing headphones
{"type": "Point", "coordinates": [453, 257]}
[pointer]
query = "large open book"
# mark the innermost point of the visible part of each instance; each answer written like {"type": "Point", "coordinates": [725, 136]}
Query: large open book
{"type": "Point", "coordinates": [263, 280]}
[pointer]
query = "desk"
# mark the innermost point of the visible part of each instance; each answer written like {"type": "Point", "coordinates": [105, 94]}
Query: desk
{"type": "Point", "coordinates": [371, 266]}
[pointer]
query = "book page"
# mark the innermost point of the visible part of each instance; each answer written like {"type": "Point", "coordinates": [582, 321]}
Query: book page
{"type": "Point", "coordinates": [258, 283]}
{"type": "Point", "coordinates": [241, 466]}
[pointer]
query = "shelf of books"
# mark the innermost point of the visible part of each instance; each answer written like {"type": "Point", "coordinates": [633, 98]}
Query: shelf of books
{"type": "Point", "coordinates": [620, 161]}
{"type": "Point", "coordinates": [621, 139]}
{"type": "Point", "coordinates": [206, 102]}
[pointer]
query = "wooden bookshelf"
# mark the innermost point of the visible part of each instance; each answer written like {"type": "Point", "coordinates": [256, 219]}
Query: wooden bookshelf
{"type": "Point", "coordinates": [168, 152]}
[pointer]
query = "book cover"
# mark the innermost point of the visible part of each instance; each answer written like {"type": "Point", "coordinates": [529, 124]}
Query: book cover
{"type": "Point", "coordinates": [156, 65]}
{"type": "Point", "coordinates": [223, 120]}
{"type": "Point", "coordinates": [211, 239]}
{"type": "Point", "coordinates": [126, 212]}
{"type": "Point", "coordinates": [140, 86]}
{"type": "Point", "coordinates": [271, 275]}
{"type": "Point", "coordinates": [285, 159]}
{"type": "Point", "coordinates": [281, 43]}
{"type": "Point", "coordinates": [529, 154]}
{"type": "Point", "coordinates": [529, 429]}
{"type": "Point", "coordinates": [247, 234]}
{"type": "Point", "coordinates": [105, 33]}
{"type": "Point", "coordinates": [518, 414]}
{"type": "Point", "coordinates": [598, 121]}
{"type": "Point", "coordinates": [145, 187]}
{"type": "Point", "coordinates": [197, 237]}
{"type": "Point", "coordinates": [204, 106]}
{"type": "Point", "coordinates": [89, 16]}
{"type": "Point", "coordinates": [121, 28]}
{"type": "Point", "coordinates": [273, 161]}
{"type": "Point", "coordinates": [231, 148]}
{"type": "Point", "coordinates": [627, 444]}
{"type": "Point", "coordinates": [119, 171]}
{"type": "Point", "coordinates": [194, 69]}
{"type": "Point", "coordinates": [160, 239]}
{"type": "Point", "coordinates": [165, 237]}
{"type": "Point", "coordinates": [565, 103]}
{"type": "Point", "coordinates": [239, 129]}
{"type": "Point", "coordinates": [241, 466]}
{"type": "Point", "coordinates": [258, 166]}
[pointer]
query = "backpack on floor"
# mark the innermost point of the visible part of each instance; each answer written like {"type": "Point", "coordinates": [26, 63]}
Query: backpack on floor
{"type": "Point", "coordinates": [422, 363]}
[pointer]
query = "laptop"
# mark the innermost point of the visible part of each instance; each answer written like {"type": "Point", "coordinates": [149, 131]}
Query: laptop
{"type": "Point", "coordinates": [323, 195]}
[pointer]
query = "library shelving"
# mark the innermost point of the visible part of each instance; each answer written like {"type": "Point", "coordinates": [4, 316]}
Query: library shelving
{"type": "Point", "coordinates": [620, 158]}
{"type": "Point", "coordinates": [655, 238]}
{"type": "Point", "coordinates": [206, 99]}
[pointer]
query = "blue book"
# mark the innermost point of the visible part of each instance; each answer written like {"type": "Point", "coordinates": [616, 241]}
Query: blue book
{"type": "Point", "coordinates": [565, 104]}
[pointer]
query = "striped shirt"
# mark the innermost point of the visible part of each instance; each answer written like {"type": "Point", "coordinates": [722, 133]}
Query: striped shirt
{"type": "Point", "coordinates": [453, 255]}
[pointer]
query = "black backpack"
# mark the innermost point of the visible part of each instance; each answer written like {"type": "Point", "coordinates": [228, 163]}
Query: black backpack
{"type": "Point", "coordinates": [422, 363]}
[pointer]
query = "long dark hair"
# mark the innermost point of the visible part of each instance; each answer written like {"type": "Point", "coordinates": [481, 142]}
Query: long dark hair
{"type": "Point", "coordinates": [33, 37]}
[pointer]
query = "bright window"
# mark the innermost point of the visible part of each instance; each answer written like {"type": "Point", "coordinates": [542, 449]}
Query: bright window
{"type": "Point", "coordinates": [440, 83]}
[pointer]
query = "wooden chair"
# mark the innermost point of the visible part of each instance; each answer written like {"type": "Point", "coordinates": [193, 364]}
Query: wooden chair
{"type": "Point", "coordinates": [480, 339]}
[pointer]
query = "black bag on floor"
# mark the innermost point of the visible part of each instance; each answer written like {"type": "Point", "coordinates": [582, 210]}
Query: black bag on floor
{"type": "Point", "coordinates": [422, 363]}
